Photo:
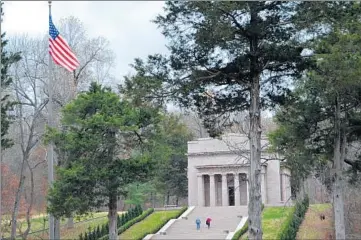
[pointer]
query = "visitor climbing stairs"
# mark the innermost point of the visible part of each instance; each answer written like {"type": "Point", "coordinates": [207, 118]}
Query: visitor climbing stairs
{"type": "Point", "coordinates": [224, 221]}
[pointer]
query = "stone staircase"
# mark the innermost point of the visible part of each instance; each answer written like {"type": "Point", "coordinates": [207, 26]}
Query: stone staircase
{"type": "Point", "coordinates": [224, 220]}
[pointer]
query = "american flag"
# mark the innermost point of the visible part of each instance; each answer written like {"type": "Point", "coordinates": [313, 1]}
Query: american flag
{"type": "Point", "coordinates": [59, 49]}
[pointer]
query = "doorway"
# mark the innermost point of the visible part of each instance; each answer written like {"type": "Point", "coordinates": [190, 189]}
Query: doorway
{"type": "Point", "coordinates": [231, 196]}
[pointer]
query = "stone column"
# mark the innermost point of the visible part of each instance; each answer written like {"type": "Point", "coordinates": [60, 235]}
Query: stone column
{"type": "Point", "coordinates": [224, 190]}
{"type": "Point", "coordinates": [263, 186]}
{"type": "Point", "coordinates": [247, 189]}
{"type": "Point", "coordinates": [282, 187]}
{"type": "Point", "coordinates": [200, 190]}
{"type": "Point", "coordinates": [212, 190]}
{"type": "Point", "coordinates": [237, 192]}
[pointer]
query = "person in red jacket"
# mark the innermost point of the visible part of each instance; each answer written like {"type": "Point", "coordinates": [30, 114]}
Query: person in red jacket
{"type": "Point", "coordinates": [208, 222]}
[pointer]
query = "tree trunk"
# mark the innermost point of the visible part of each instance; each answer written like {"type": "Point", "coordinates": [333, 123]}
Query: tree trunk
{"type": "Point", "coordinates": [255, 199]}
{"type": "Point", "coordinates": [14, 214]}
{"type": "Point", "coordinates": [112, 217]}
{"type": "Point", "coordinates": [167, 203]}
{"type": "Point", "coordinates": [28, 212]}
{"type": "Point", "coordinates": [337, 193]}
{"type": "Point", "coordinates": [57, 228]}
{"type": "Point", "coordinates": [255, 130]}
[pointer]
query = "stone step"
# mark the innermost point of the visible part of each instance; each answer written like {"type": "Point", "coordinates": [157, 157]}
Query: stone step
{"type": "Point", "coordinates": [224, 220]}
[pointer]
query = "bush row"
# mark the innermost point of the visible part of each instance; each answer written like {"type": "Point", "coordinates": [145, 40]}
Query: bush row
{"type": "Point", "coordinates": [158, 225]}
{"type": "Point", "coordinates": [103, 230]}
{"type": "Point", "coordinates": [243, 230]}
{"type": "Point", "coordinates": [130, 223]}
{"type": "Point", "coordinates": [290, 227]}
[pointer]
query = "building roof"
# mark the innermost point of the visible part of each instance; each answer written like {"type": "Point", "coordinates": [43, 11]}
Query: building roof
{"type": "Point", "coordinates": [230, 143]}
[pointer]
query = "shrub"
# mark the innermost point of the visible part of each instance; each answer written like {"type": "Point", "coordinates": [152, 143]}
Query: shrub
{"type": "Point", "coordinates": [122, 220]}
{"type": "Point", "coordinates": [126, 217]}
{"type": "Point", "coordinates": [138, 210]}
{"type": "Point", "coordinates": [103, 230]}
{"type": "Point", "coordinates": [290, 227]}
{"type": "Point", "coordinates": [159, 225]}
{"type": "Point", "coordinates": [131, 223]}
{"type": "Point", "coordinates": [118, 221]}
{"type": "Point", "coordinates": [98, 233]}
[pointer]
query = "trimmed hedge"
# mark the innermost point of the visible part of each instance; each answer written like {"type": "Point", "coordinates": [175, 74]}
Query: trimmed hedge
{"type": "Point", "coordinates": [130, 223]}
{"type": "Point", "coordinates": [243, 230]}
{"type": "Point", "coordinates": [103, 229]}
{"type": "Point", "coordinates": [290, 227]}
{"type": "Point", "coordinates": [159, 225]}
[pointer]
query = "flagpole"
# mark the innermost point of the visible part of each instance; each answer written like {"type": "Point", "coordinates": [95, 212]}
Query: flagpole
{"type": "Point", "coordinates": [50, 151]}
{"type": "Point", "coordinates": [1, 156]}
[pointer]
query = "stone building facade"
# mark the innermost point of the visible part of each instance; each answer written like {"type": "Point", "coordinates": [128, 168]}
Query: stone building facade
{"type": "Point", "coordinates": [218, 170]}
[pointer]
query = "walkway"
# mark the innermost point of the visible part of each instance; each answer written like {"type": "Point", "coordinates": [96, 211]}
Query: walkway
{"type": "Point", "coordinates": [224, 219]}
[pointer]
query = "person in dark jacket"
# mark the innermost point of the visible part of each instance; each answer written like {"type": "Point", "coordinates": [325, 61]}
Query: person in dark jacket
{"type": "Point", "coordinates": [208, 222]}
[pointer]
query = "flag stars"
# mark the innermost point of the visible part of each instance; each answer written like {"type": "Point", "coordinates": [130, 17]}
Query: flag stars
{"type": "Point", "coordinates": [59, 49]}
{"type": "Point", "coordinates": [53, 32]}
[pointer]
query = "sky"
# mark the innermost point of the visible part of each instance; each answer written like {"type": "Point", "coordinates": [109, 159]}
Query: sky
{"type": "Point", "coordinates": [126, 24]}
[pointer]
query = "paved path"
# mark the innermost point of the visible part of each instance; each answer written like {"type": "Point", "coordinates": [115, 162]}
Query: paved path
{"type": "Point", "coordinates": [224, 219]}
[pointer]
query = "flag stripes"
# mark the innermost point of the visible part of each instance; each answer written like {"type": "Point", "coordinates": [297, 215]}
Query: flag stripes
{"type": "Point", "coordinates": [59, 49]}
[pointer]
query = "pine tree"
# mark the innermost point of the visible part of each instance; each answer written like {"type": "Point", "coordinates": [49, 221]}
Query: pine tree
{"type": "Point", "coordinates": [131, 213]}
{"type": "Point", "coordinates": [123, 220]}
{"type": "Point", "coordinates": [103, 230]}
{"type": "Point", "coordinates": [110, 119]}
{"type": "Point", "coordinates": [226, 58]}
{"type": "Point", "coordinates": [7, 59]}
{"type": "Point", "coordinates": [323, 114]}
{"type": "Point", "coordinates": [119, 221]}
{"type": "Point", "coordinates": [98, 233]}
{"type": "Point", "coordinates": [140, 210]}
{"type": "Point", "coordinates": [126, 217]}
{"type": "Point", "coordinates": [107, 228]}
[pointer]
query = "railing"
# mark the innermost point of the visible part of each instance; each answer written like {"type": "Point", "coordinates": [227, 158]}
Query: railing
{"type": "Point", "coordinates": [46, 229]}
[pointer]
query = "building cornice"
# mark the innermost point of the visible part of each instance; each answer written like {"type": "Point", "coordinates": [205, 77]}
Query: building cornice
{"type": "Point", "coordinates": [226, 166]}
{"type": "Point", "coordinates": [221, 152]}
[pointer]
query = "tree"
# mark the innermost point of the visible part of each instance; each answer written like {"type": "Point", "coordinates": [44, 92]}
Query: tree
{"type": "Point", "coordinates": [173, 171]}
{"type": "Point", "coordinates": [229, 57]}
{"type": "Point", "coordinates": [323, 114]}
{"type": "Point", "coordinates": [136, 193]}
{"type": "Point", "coordinates": [99, 147]}
{"type": "Point", "coordinates": [7, 59]}
{"type": "Point", "coordinates": [171, 179]}
{"type": "Point", "coordinates": [96, 61]}
{"type": "Point", "coordinates": [29, 119]}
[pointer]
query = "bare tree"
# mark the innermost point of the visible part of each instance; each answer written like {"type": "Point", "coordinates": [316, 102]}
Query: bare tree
{"type": "Point", "coordinates": [95, 57]}
{"type": "Point", "coordinates": [194, 124]}
{"type": "Point", "coordinates": [29, 89]}
{"type": "Point", "coordinates": [30, 121]}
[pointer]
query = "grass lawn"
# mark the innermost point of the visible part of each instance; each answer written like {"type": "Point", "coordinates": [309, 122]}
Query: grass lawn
{"type": "Point", "coordinates": [272, 220]}
{"type": "Point", "coordinates": [313, 227]}
{"type": "Point", "coordinates": [72, 233]}
{"type": "Point", "coordinates": [37, 223]}
{"type": "Point", "coordinates": [149, 225]}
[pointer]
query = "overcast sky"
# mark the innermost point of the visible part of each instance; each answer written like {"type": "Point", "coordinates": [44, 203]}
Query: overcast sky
{"type": "Point", "coordinates": [126, 24]}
